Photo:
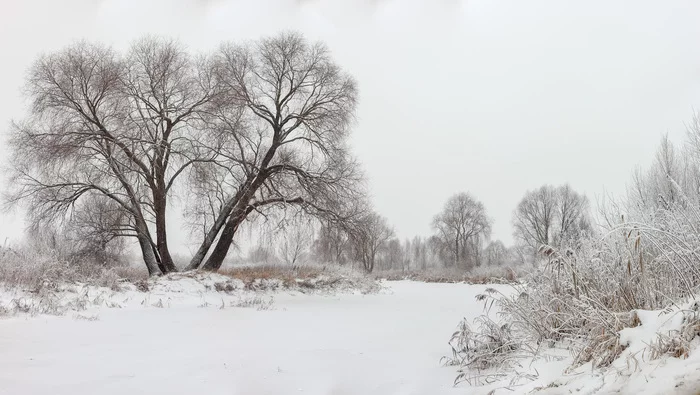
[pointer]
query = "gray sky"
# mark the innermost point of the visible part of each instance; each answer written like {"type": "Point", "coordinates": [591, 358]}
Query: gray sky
{"type": "Point", "coordinates": [486, 96]}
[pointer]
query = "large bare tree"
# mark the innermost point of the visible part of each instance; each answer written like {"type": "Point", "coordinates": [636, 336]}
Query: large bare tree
{"type": "Point", "coordinates": [461, 228]}
{"type": "Point", "coordinates": [282, 131]}
{"type": "Point", "coordinates": [107, 126]}
{"type": "Point", "coordinates": [251, 127]}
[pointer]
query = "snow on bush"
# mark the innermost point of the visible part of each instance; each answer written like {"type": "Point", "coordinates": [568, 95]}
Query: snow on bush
{"type": "Point", "coordinates": [486, 352]}
{"type": "Point", "coordinates": [36, 269]}
{"type": "Point", "coordinates": [38, 283]}
{"type": "Point", "coordinates": [592, 299]}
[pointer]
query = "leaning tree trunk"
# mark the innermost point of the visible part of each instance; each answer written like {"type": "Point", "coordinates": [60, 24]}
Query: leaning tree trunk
{"type": "Point", "coordinates": [237, 207]}
{"type": "Point", "coordinates": [149, 257]}
{"type": "Point", "coordinates": [216, 259]}
{"type": "Point", "coordinates": [210, 236]}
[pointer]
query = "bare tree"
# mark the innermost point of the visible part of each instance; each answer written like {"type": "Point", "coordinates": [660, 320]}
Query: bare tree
{"type": "Point", "coordinates": [550, 216]}
{"type": "Point", "coordinates": [282, 135]}
{"type": "Point", "coordinates": [370, 234]}
{"type": "Point", "coordinates": [107, 126]}
{"type": "Point", "coordinates": [461, 228]}
{"type": "Point", "coordinates": [573, 215]}
{"type": "Point", "coordinates": [262, 254]}
{"type": "Point", "coordinates": [97, 229]}
{"type": "Point", "coordinates": [495, 253]}
{"type": "Point", "coordinates": [533, 219]}
{"type": "Point", "coordinates": [419, 253]}
{"type": "Point", "coordinates": [332, 243]}
{"type": "Point", "coordinates": [394, 255]}
{"type": "Point", "coordinates": [295, 242]}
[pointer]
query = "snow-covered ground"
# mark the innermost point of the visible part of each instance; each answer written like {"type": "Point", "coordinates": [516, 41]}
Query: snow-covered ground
{"type": "Point", "coordinates": [389, 342]}
{"type": "Point", "coordinates": [638, 370]}
{"type": "Point", "coordinates": [184, 336]}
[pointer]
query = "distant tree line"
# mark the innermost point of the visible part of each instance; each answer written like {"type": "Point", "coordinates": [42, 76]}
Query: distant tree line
{"type": "Point", "coordinates": [551, 216]}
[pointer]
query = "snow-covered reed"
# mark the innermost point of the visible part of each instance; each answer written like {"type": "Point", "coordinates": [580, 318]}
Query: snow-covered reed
{"type": "Point", "coordinates": [584, 295]}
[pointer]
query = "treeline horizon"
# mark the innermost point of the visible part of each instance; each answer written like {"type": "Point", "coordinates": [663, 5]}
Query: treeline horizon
{"type": "Point", "coordinates": [253, 132]}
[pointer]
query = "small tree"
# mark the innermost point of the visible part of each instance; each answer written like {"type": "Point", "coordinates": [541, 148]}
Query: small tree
{"type": "Point", "coordinates": [332, 243]}
{"type": "Point", "coordinates": [395, 255]}
{"type": "Point", "coordinates": [98, 231]}
{"type": "Point", "coordinates": [295, 242]}
{"type": "Point", "coordinates": [461, 228]}
{"type": "Point", "coordinates": [550, 216]}
{"type": "Point", "coordinates": [370, 235]}
{"type": "Point", "coordinates": [496, 253]}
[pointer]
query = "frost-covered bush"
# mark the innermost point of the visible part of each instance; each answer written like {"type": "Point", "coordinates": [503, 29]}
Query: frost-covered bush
{"type": "Point", "coordinates": [35, 269]}
{"type": "Point", "coordinates": [485, 353]}
{"type": "Point", "coordinates": [677, 342]}
{"type": "Point", "coordinates": [583, 296]}
{"type": "Point", "coordinates": [646, 257]}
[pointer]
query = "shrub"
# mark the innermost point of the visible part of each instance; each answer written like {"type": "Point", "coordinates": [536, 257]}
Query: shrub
{"type": "Point", "coordinates": [33, 270]}
{"type": "Point", "coordinates": [586, 294]}
{"type": "Point", "coordinates": [484, 354]}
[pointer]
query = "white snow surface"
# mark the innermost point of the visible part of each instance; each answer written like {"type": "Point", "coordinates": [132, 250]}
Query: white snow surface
{"type": "Point", "coordinates": [635, 371]}
{"type": "Point", "coordinates": [183, 337]}
{"type": "Point", "coordinates": [389, 342]}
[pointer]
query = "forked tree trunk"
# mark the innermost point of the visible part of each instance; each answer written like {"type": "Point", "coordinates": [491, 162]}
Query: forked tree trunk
{"type": "Point", "coordinates": [216, 259]}
{"type": "Point", "coordinates": [238, 213]}
{"type": "Point", "coordinates": [209, 238]}
{"type": "Point", "coordinates": [237, 209]}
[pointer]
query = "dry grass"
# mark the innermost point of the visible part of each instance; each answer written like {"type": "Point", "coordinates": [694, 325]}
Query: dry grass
{"type": "Point", "coordinates": [486, 352]}
{"type": "Point", "coordinates": [482, 275]}
{"type": "Point", "coordinates": [288, 275]}
{"type": "Point", "coordinates": [32, 270]}
{"type": "Point", "coordinates": [258, 302]}
{"type": "Point", "coordinates": [303, 278]}
{"type": "Point", "coordinates": [584, 296]}
{"type": "Point", "coordinates": [677, 343]}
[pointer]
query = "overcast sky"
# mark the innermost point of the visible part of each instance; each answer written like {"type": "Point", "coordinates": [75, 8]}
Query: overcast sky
{"type": "Point", "coordinates": [490, 97]}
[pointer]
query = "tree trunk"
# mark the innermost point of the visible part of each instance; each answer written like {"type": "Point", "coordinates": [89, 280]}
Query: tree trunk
{"type": "Point", "coordinates": [237, 208]}
{"type": "Point", "coordinates": [457, 251]}
{"type": "Point", "coordinates": [166, 261]}
{"type": "Point", "coordinates": [149, 257]}
{"type": "Point", "coordinates": [211, 236]}
{"type": "Point", "coordinates": [221, 250]}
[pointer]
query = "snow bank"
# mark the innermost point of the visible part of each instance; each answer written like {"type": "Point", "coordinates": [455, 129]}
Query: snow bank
{"type": "Point", "coordinates": [196, 289]}
{"type": "Point", "coordinates": [660, 356]}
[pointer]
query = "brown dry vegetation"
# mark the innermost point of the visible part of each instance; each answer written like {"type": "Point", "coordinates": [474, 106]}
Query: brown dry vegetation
{"type": "Point", "coordinates": [287, 274]}
{"type": "Point", "coordinates": [303, 277]}
{"type": "Point", "coordinates": [500, 275]}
